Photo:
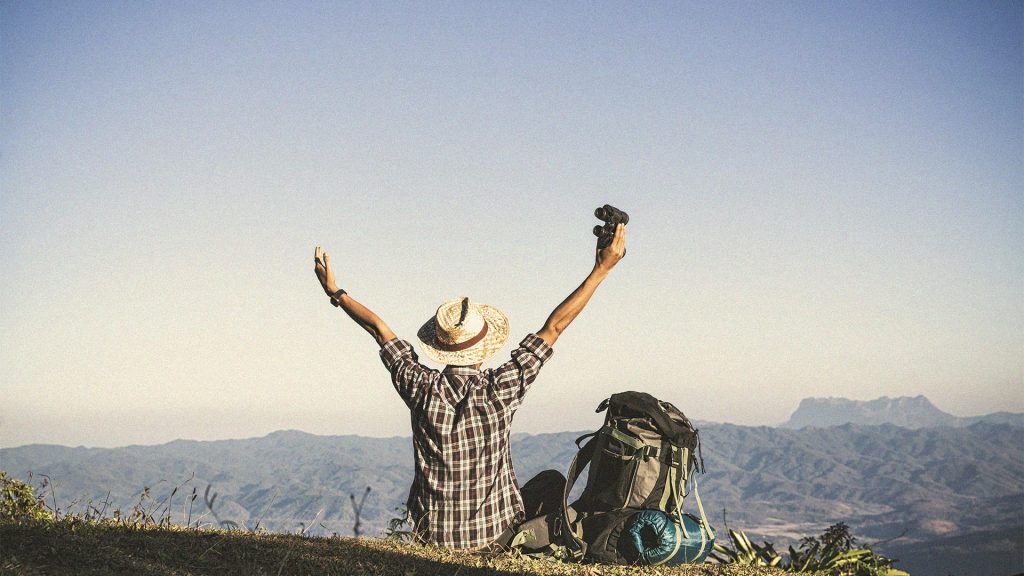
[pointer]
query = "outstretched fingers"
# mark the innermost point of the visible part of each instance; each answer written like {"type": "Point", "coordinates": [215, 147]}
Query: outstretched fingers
{"type": "Point", "coordinates": [321, 258]}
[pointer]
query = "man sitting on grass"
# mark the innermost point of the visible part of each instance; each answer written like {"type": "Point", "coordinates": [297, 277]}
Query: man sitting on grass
{"type": "Point", "coordinates": [465, 493]}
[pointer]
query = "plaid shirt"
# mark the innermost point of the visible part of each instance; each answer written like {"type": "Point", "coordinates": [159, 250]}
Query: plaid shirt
{"type": "Point", "coordinates": [465, 492]}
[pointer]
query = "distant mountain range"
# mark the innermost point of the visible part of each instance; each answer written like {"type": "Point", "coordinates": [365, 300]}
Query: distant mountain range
{"type": "Point", "coordinates": [905, 411]}
{"type": "Point", "coordinates": [958, 486]}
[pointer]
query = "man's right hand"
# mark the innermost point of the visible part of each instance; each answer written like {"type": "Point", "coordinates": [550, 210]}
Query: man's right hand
{"type": "Point", "coordinates": [610, 255]}
{"type": "Point", "coordinates": [322, 268]}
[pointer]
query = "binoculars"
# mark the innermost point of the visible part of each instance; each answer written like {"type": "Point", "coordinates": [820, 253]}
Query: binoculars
{"type": "Point", "coordinates": [612, 216]}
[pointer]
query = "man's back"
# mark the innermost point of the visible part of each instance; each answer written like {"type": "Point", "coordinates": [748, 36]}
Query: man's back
{"type": "Point", "coordinates": [465, 491]}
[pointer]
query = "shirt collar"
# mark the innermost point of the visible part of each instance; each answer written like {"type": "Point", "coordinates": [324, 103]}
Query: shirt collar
{"type": "Point", "coordinates": [461, 370]}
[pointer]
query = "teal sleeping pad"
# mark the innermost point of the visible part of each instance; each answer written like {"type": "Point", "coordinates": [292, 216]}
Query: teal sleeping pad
{"type": "Point", "coordinates": [659, 539]}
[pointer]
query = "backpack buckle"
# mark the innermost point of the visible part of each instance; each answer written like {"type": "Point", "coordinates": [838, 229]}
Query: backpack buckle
{"type": "Point", "coordinates": [648, 452]}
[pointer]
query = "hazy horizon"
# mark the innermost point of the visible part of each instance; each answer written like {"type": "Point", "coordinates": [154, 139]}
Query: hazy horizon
{"type": "Point", "coordinates": [211, 432]}
{"type": "Point", "coordinates": [825, 200]}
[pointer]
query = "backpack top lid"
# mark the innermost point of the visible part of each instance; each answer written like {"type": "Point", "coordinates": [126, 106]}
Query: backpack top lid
{"type": "Point", "coordinates": [669, 420]}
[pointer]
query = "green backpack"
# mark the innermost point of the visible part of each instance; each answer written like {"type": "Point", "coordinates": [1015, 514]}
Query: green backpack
{"type": "Point", "coordinates": [642, 461]}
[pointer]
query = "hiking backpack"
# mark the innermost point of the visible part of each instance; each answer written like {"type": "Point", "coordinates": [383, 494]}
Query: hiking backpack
{"type": "Point", "coordinates": [642, 461]}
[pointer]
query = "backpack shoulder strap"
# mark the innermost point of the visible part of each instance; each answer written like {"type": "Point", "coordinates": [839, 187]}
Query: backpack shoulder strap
{"type": "Point", "coordinates": [579, 462]}
{"type": "Point", "coordinates": [576, 546]}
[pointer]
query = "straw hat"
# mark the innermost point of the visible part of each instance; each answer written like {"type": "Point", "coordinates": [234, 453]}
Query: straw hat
{"type": "Point", "coordinates": [464, 333]}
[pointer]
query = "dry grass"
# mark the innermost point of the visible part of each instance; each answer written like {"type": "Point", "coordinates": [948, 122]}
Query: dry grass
{"type": "Point", "coordinates": [94, 548]}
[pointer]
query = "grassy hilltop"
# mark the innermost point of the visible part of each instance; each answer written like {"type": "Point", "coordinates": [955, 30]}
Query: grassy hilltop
{"type": "Point", "coordinates": [89, 548]}
{"type": "Point", "coordinates": [37, 539]}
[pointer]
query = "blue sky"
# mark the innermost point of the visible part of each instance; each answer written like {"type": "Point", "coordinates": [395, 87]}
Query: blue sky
{"type": "Point", "coordinates": [825, 200]}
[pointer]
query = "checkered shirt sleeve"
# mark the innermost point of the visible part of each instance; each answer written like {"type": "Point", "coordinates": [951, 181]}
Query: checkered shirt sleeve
{"type": "Point", "coordinates": [409, 377]}
{"type": "Point", "coordinates": [465, 492]}
{"type": "Point", "coordinates": [512, 379]}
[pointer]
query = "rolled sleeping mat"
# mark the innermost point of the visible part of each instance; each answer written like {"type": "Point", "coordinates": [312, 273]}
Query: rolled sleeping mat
{"type": "Point", "coordinates": [658, 539]}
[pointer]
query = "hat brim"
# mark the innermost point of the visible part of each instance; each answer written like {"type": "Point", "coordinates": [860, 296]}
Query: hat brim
{"type": "Point", "coordinates": [497, 335]}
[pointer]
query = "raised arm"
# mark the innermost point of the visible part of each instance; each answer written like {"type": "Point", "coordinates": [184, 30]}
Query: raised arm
{"type": "Point", "coordinates": [566, 312]}
{"type": "Point", "coordinates": [356, 311]}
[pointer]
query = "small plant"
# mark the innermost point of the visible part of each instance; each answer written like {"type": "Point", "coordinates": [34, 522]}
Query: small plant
{"type": "Point", "coordinates": [229, 524]}
{"type": "Point", "coordinates": [400, 528]}
{"type": "Point", "coordinates": [190, 501]}
{"type": "Point", "coordinates": [833, 553]}
{"type": "Point", "coordinates": [19, 503]}
{"type": "Point", "coordinates": [358, 509]}
{"type": "Point", "coordinates": [745, 552]}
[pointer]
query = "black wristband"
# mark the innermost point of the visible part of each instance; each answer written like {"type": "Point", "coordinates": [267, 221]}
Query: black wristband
{"type": "Point", "coordinates": [336, 297]}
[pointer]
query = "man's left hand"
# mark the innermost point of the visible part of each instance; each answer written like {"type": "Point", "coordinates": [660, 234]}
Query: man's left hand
{"type": "Point", "coordinates": [610, 255]}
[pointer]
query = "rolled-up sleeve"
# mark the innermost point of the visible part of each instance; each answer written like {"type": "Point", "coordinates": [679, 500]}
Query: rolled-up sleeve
{"type": "Point", "coordinates": [512, 379]}
{"type": "Point", "coordinates": [409, 377]}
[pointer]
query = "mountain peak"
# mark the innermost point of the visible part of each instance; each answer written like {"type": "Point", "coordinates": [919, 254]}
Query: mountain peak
{"type": "Point", "coordinates": [906, 411]}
